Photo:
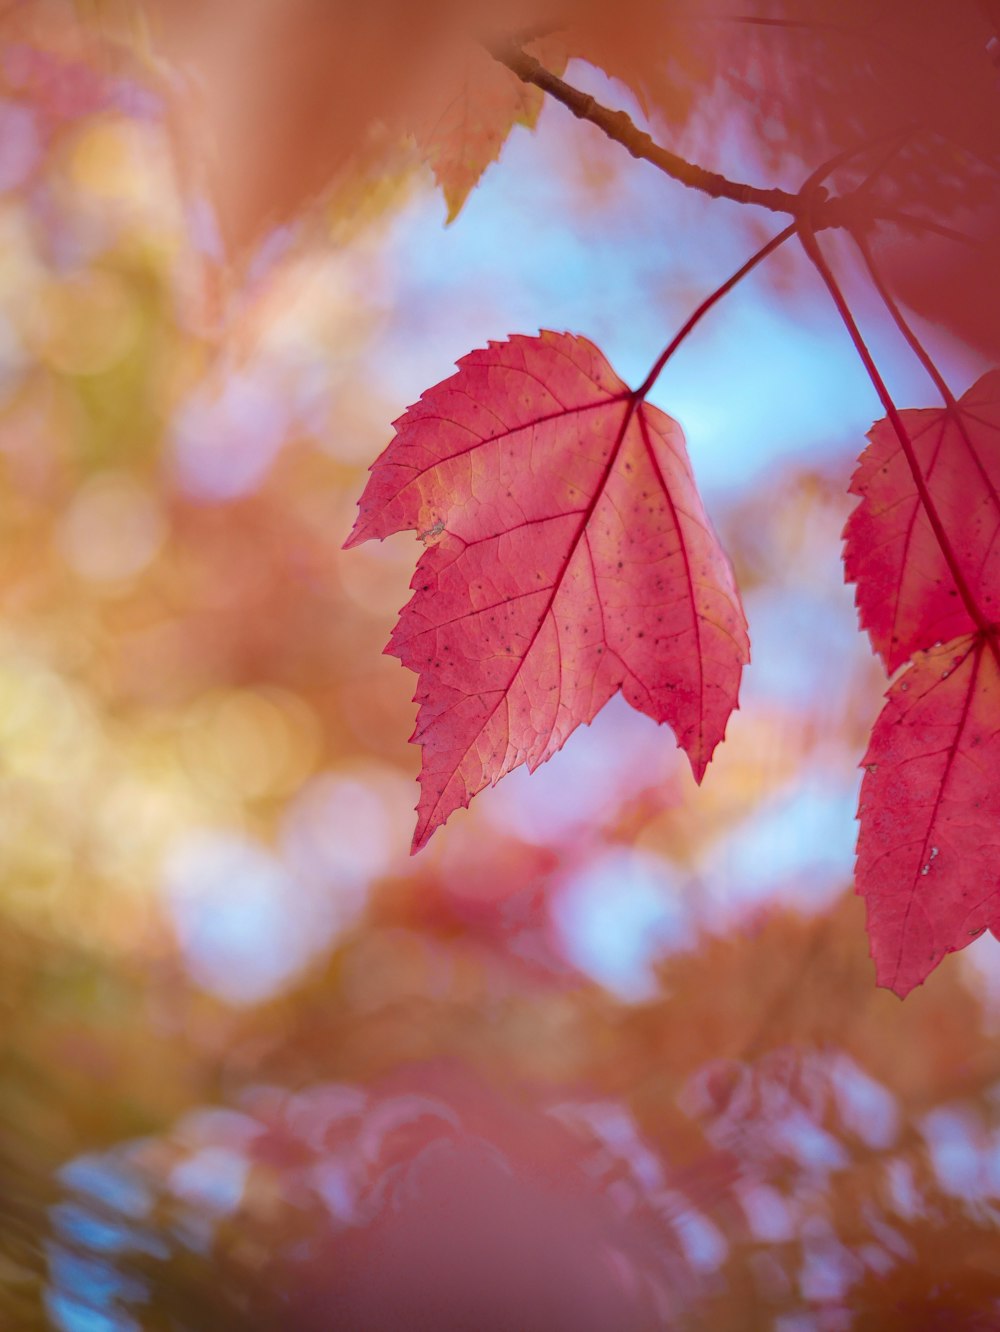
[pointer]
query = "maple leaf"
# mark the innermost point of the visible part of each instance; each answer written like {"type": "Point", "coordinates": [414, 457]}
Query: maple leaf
{"type": "Point", "coordinates": [574, 559]}
{"type": "Point", "coordinates": [929, 842]}
{"type": "Point", "coordinates": [906, 593]}
{"type": "Point", "coordinates": [475, 104]}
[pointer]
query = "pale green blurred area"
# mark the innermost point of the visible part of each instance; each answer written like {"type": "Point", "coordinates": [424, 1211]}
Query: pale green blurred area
{"type": "Point", "coordinates": [251, 1054]}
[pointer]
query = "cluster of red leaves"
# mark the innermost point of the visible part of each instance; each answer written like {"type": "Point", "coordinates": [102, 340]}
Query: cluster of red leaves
{"type": "Point", "coordinates": [569, 556]}
{"type": "Point", "coordinates": [927, 570]}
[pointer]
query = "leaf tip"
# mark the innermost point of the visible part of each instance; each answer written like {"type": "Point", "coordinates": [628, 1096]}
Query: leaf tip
{"type": "Point", "coordinates": [358, 533]}
{"type": "Point", "coordinates": [455, 199]}
{"type": "Point", "coordinates": [423, 832]}
{"type": "Point", "coordinates": [898, 986]}
{"type": "Point", "coordinates": [699, 761]}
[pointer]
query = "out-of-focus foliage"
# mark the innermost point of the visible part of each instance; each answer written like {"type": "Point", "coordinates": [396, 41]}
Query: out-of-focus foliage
{"type": "Point", "coordinates": [790, 83]}
{"type": "Point", "coordinates": [735, 1150]}
{"type": "Point", "coordinates": [274, 110]}
{"type": "Point", "coordinates": [612, 1051]}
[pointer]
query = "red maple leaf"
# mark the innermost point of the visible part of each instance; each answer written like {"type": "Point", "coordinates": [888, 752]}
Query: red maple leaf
{"type": "Point", "coordinates": [572, 558]}
{"type": "Point", "coordinates": [926, 561]}
{"type": "Point", "coordinates": [929, 845]}
{"type": "Point", "coordinates": [906, 594]}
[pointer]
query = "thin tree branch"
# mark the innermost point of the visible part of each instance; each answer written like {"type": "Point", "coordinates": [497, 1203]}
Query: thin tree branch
{"type": "Point", "coordinates": [910, 222]}
{"type": "Point", "coordinates": [620, 127]}
{"type": "Point", "coordinates": [790, 25]}
{"type": "Point", "coordinates": [891, 152]}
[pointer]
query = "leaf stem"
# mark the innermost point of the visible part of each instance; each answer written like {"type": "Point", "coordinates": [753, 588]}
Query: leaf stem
{"type": "Point", "coordinates": [707, 304]}
{"type": "Point", "coordinates": [815, 254]}
{"type": "Point", "coordinates": [901, 322]}
{"type": "Point", "coordinates": [910, 222]}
